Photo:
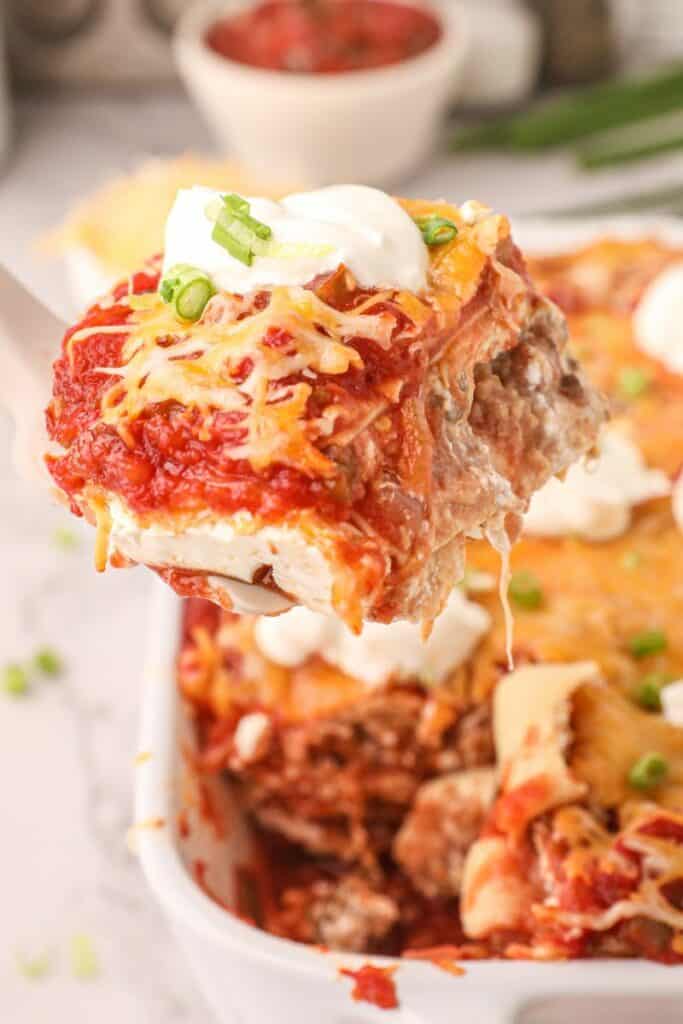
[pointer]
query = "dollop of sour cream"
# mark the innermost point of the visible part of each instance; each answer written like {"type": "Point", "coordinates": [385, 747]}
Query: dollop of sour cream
{"type": "Point", "coordinates": [312, 233]}
{"type": "Point", "coordinates": [658, 319]}
{"type": "Point", "coordinates": [595, 499]}
{"type": "Point", "coordinates": [672, 702]}
{"type": "Point", "coordinates": [381, 652]}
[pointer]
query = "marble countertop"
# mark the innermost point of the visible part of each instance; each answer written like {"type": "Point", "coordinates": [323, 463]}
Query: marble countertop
{"type": "Point", "coordinates": [67, 749]}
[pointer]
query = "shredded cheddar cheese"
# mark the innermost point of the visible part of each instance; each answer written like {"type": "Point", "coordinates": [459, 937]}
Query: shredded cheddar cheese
{"type": "Point", "coordinates": [100, 510]}
{"type": "Point", "coordinates": [196, 364]}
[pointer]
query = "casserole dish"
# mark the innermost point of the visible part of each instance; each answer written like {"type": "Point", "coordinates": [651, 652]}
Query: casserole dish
{"type": "Point", "coordinates": [247, 974]}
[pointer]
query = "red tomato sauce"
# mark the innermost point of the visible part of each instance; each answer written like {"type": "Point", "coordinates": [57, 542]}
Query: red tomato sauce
{"type": "Point", "coordinates": [324, 36]}
{"type": "Point", "coordinates": [374, 985]}
{"type": "Point", "coordinates": [173, 460]}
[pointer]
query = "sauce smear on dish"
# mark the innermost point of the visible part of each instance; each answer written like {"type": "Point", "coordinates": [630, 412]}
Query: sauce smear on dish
{"type": "Point", "coordinates": [323, 37]}
{"type": "Point", "coordinates": [374, 985]}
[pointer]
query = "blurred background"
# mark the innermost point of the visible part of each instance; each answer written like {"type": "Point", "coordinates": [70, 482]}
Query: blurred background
{"type": "Point", "coordinates": [543, 108]}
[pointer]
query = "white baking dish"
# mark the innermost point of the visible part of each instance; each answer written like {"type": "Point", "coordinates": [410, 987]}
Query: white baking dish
{"type": "Point", "coordinates": [250, 977]}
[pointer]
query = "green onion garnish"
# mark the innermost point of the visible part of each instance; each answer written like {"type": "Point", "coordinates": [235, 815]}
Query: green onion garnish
{"type": "Point", "coordinates": [65, 539]}
{"type": "Point", "coordinates": [630, 560]}
{"type": "Point", "coordinates": [525, 590]}
{"type": "Point", "coordinates": [14, 680]}
{"type": "Point", "coordinates": [633, 382]}
{"type": "Point", "coordinates": [648, 771]}
{"type": "Point", "coordinates": [236, 230]}
{"type": "Point", "coordinates": [84, 963]}
{"type": "Point", "coordinates": [648, 692]}
{"type": "Point", "coordinates": [48, 662]}
{"type": "Point", "coordinates": [233, 236]}
{"type": "Point", "coordinates": [650, 641]}
{"type": "Point", "coordinates": [188, 289]}
{"type": "Point", "coordinates": [436, 230]}
{"type": "Point", "coordinates": [34, 967]}
{"type": "Point", "coordinates": [242, 211]}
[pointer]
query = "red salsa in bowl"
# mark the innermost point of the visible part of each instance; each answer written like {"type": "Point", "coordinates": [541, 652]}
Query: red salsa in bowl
{"type": "Point", "coordinates": [324, 36]}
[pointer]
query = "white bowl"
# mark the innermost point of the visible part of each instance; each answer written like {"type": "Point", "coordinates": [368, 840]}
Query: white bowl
{"type": "Point", "coordinates": [372, 126]}
{"type": "Point", "coordinates": [249, 976]}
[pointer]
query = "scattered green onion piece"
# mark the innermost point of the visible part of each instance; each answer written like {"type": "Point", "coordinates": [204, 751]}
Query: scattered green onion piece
{"type": "Point", "coordinates": [241, 210]}
{"type": "Point", "coordinates": [48, 662]}
{"type": "Point", "coordinates": [14, 680]}
{"type": "Point", "coordinates": [436, 230]}
{"type": "Point", "coordinates": [225, 237]}
{"type": "Point", "coordinates": [65, 539]}
{"type": "Point", "coordinates": [631, 560]}
{"type": "Point", "coordinates": [188, 289]}
{"type": "Point", "coordinates": [192, 299]}
{"type": "Point", "coordinates": [34, 967]}
{"type": "Point", "coordinates": [237, 231]}
{"type": "Point", "coordinates": [235, 203]}
{"type": "Point", "coordinates": [648, 692]}
{"type": "Point", "coordinates": [84, 963]}
{"type": "Point", "coordinates": [525, 590]}
{"type": "Point", "coordinates": [650, 641]}
{"type": "Point", "coordinates": [633, 382]}
{"type": "Point", "coordinates": [649, 771]}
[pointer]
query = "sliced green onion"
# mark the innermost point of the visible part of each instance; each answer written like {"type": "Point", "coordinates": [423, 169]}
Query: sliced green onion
{"type": "Point", "coordinates": [648, 771]}
{"type": "Point", "coordinates": [192, 299]}
{"type": "Point", "coordinates": [14, 680]}
{"type": "Point", "coordinates": [631, 560]}
{"type": "Point", "coordinates": [84, 963]}
{"type": "Point", "coordinates": [236, 230]}
{"type": "Point", "coordinates": [48, 662]}
{"type": "Point", "coordinates": [235, 203]}
{"type": "Point", "coordinates": [436, 230]}
{"type": "Point", "coordinates": [65, 539]}
{"type": "Point", "coordinates": [650, 641]}
{"type": "Point", "coordinates": [633, 381]}
{"type": "Point", "coordinates": [648, 692]}
{"type": "Point", "coordinates": [225, 237]}
{"type": "Point", "coordinates": [241, 210]}
{"type": "Point", "coordinates": [525, 590]}
{"type": "Point", "coordinates": [34, 967]}
{"type": "Point", "coordinates": [188, 289]}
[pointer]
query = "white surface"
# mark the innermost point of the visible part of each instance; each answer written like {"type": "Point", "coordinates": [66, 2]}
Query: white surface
{"type": "Point", "coordinates": [379, 651]}
{"type": "Point", "coordinates": [371, 126]}
{"type": "Point", "coordinates": [248, 975]}
{"type": "Point", "coordinates": [66, 756]}
{"type": "Point", "coordinates": [312, 233]}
